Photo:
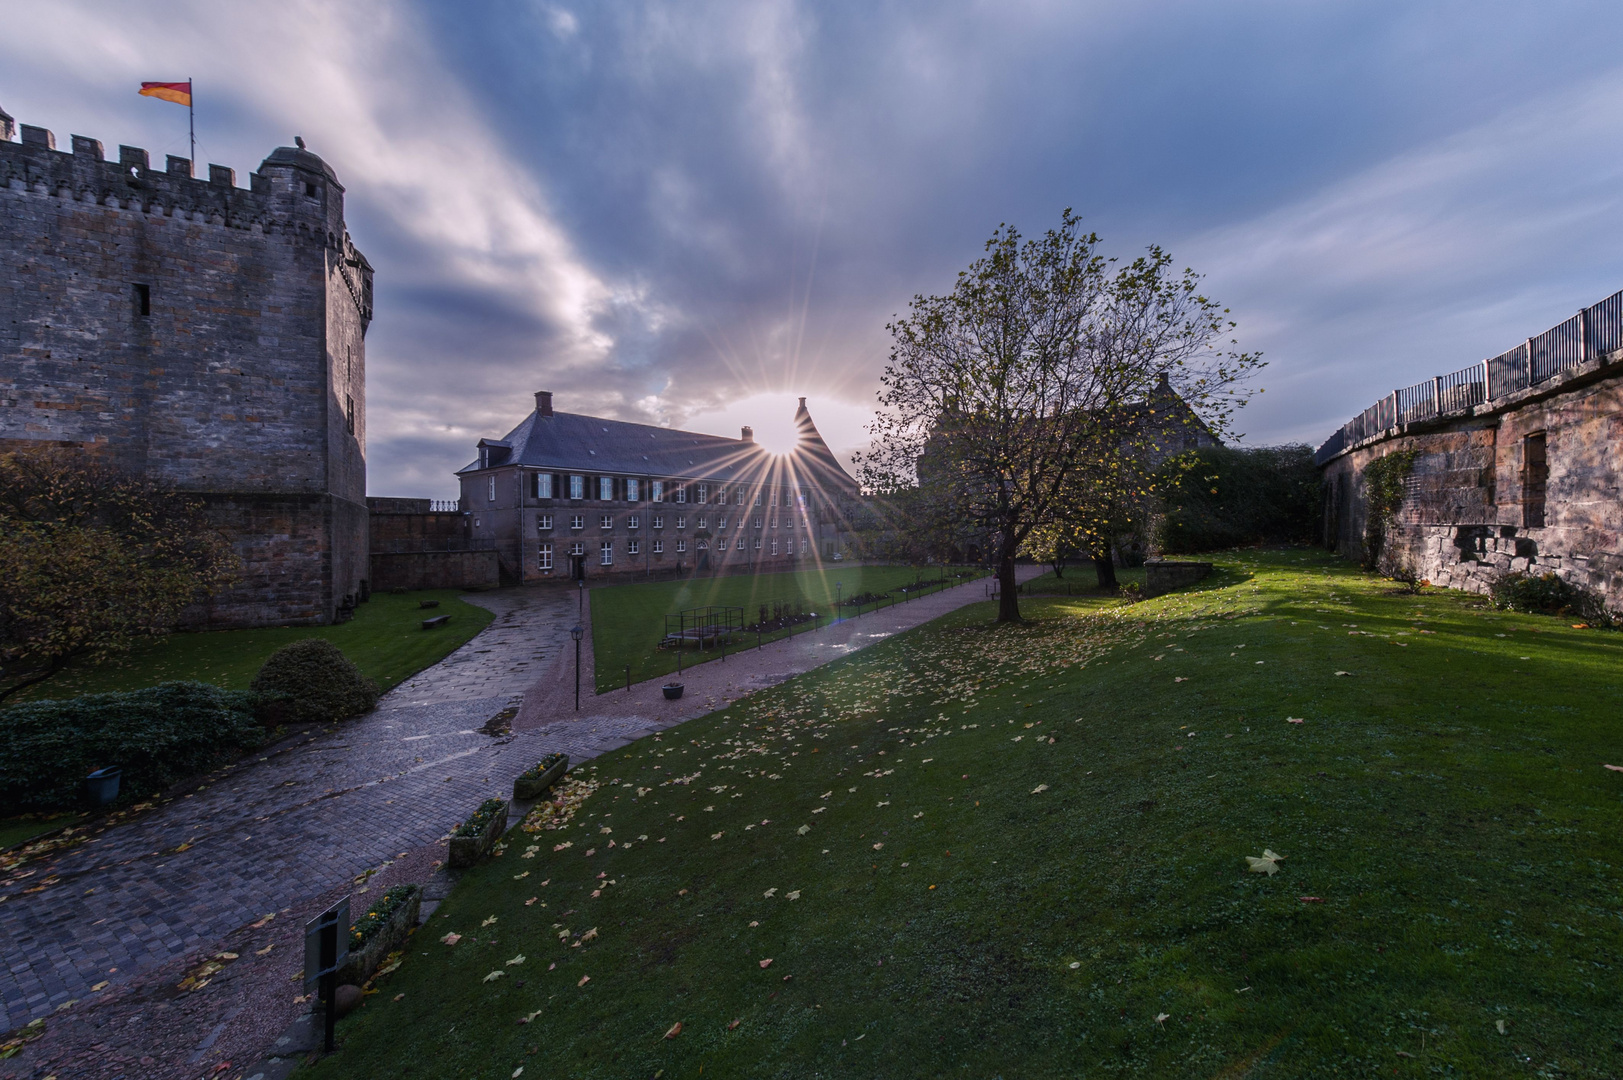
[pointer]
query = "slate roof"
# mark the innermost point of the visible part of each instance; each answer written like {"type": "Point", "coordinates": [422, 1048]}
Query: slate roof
{"type": "Point", "coordinates": [575, 443]}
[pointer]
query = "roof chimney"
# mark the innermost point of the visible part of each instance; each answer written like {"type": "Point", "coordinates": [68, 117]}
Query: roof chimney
{"type": "Point", "coordinates": [543, 402]}
{"type": "Point", "coordinates": [747, 434]}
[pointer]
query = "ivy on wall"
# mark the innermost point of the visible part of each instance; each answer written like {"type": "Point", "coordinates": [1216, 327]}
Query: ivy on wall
{"type": "Point", "coordinates": [1384, 491]}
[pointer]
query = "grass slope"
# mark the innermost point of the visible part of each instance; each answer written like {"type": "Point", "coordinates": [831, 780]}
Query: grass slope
{"type": "Point", "coordinates": [385, 640]}
{"type": "Point", "coordinates": [628, 621]}
{"type": "Point", "coordinates": [944, 891]}
{"type": "Point", "coordinates": [1080, 579]}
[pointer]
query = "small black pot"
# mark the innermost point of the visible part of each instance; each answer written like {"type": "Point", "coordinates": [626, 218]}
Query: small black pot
{"type": "Point", "coordinates": [673, 690]}
{"type": "Point", "coordinates": [102, 786]}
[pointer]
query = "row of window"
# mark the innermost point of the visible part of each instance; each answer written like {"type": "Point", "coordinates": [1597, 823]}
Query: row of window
{"type": "Point", "coordinates": [631, 489]}
{"type": "Point", "coordinates": [605, 550]}
{"type": "Point", "coordinates": [634, 521]}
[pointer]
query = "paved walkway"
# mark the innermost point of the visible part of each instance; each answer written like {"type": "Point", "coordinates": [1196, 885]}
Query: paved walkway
{"type": "Point", "coordinates": [315, 813]}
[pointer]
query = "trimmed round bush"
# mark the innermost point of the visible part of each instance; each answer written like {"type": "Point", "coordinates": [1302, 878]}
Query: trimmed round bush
{"type": "Point", "coordinates": [312, 681]}
{"type": "Point", "coordinates": [157, 736]}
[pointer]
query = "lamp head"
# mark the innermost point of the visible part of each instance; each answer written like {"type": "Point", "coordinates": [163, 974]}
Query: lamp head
{"type": "Point", "coordinates": [576, 632]}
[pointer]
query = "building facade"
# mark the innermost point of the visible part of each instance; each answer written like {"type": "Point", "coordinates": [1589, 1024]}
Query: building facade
{"type": "Point", "coordinates": [1518, 464]}
{"type": "Point", "coordinates": [567, 496]}
{"type": "Point", "coordinates": [209, 337]}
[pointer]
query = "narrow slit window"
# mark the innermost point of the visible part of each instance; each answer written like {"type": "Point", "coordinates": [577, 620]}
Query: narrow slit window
{"type": "Point", "coordinates": [1535, 479]}
{"type": "Point", "coordinates": [143, 299]}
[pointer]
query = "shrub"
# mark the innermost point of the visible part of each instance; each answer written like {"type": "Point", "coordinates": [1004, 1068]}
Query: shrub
{"type": "Point", "coordinates": [312, 681]}
{"type": "Point", "coordinates": [157, 736]}
{"type": "Point", "coordinates": [534, 771]}
{"type": "Point", "coordinates": [481, 817]}
{"type": "Point", "coordinates": [1223, 496]}
{"type": "Point", "coordinates": [1549, 594]}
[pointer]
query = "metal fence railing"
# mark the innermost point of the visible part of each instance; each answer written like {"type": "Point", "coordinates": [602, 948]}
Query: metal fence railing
{"type": "Point", "coordinates": [1594, 331]}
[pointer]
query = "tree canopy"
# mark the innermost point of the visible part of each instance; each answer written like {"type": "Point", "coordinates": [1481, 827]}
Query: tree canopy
{"type": "Point", "coordinates": [1003, 396]}
{"type": "Point", "coordinates": [92, 559]}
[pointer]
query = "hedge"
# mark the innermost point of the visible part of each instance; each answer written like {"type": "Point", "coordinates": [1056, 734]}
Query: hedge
{"type": "Point", "coordinates": [157, 736]}
{"type": "Point", "coordinates": [1223, 496]}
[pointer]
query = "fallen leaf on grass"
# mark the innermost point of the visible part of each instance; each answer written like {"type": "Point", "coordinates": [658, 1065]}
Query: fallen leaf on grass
{"type": "Point", "coordinates": [676, 1029]}
{"type": "Point", "coordinates": [519, 959]}
{"type": "Point", "coordinates": [1311, 899]}
{"type": "Point", "coordinates": [517, 1073]}
{"type": "Point", "coordinates": [589, 935]}
{"type": "Point", "coordinates": [1039, 788]}
{"type": "Point", "coordinates": [1614, 768]}
{"type": "Point", "coordinates": [803, 830]}
{"type": "Point", "coordinates": [1268, 864]}
{"type": "Point", "coordinates": [766, 963]}
{"type": "Point", "coordinates": [716, 836]}
{"type": "Point", "coordinates": [770, 892]}
{"type": "Point", "coordinates": [531, 900]}
{"type": "Point", "coordinates": [792, 895]}
{"type": "Point", "coordinates": [494, 975]}
{"type": "Point", "coordinates": [451, 939]}
{"type": "Point", "coordinates": [1162, 1017]}
{"type": "Point", "coordinates": [1180, 678]}
{"type": "Point", "coordinates": [1500, 1024]}
{"type": "Point", "coordinates": [584, 979]}
{"type": "Point", "coordinates": [876, 847]}
{"type": "Point", "coordinates": [1294, 720]}
{"type": "Point", "coordinates": [488, 921]}
{"type": "Point", "coordinates": [735, 1023]}
{"type": "Point", "coordinates": [527, 1019]}
{"type": "Point", "coordinates": [1343, 673]}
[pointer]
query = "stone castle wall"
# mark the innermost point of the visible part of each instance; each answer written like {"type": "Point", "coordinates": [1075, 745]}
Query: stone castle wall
{"type": "Point", "coordinates": [1473, 510]}
{"type": "Point", "coordinates": [208, 336]}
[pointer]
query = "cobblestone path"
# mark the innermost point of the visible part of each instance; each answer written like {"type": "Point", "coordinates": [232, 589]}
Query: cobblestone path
{"type": "Point", "coordinates": [310, 815]}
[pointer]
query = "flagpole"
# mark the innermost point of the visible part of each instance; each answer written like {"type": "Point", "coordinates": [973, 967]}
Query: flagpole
{"type": "Point", "coordinates": [191, 123]}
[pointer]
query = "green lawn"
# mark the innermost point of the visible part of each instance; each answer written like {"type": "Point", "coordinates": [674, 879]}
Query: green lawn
{"type": "Point", "coordinates": [17, 830]}
{"type": "Point", "coordinates": [1079, 579]}
{"type": "Point", "coordinates": [628, 621]}
{"type": "Point", "coordinates": [385, 640]}
{"type": "Point", "coordinates": [1021, 852]}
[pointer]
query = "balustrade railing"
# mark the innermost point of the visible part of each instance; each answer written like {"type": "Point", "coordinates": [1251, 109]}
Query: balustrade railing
{"type": "Point", "coordinates": [1594, 331]}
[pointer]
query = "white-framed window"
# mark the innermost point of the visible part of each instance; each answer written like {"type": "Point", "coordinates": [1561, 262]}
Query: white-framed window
{"type": "Point", "coordinates": [633, 521]}
{"type": "Point", "coordinates": [704, 493]}
{"type": "Point", "coordinates": [721, 522]}
{"type": "Point", "coordinates": [757, 523]}
{"type": "Point", "coordinates": [605, 489]}
{"type": "Point", "coordinates": [774, 545]}
{"type": "Point", "coordinates": [740, 521]}
{"type": "Point", "coordinates": [577, 548]}
{"type": "Point", "coordinates": [681, 493]}
{"type": "Point", "coordinates": [633, 546]}
{"type": "Point", "coordinates": [658, 486]}
{"type": "Point", "coordinates": [577, 487]}
{"type": "Point", "coordinates": [681, 522]}
{"type": "Point", "coordinates": [605, 553]}
{"type": "Point", "coordinates": [544, 556]}
{"type": "Point", "coordinates": [577, 521]}
{"type": "Point", "coordinates": [774, 521]}
{"type": "Point", "coordinates": [659, 547]}
{"type": "Point", "coordinates": [757, 496]}
{"type": "Point", "coordinates": [633, 490]}
{"type": "Point", "coordinates": [543, 485]}
{"type": "Point", "coordinates": [659, 521]}
{"type": "Point", "coordinates": [605, 521]}
{"type": "Point", "coordinates": [492, 488]}
{"type": "Point", "coordinates": [757, 543]}
{"type": "Point", "coordinates": [702, 523]}
{"type": "Point", "coordinates": [681, 546]}
{"type": "Point", "coordinates": [543, 522]}
{"type": "Point", "coordinates": [803, 547]}
{"type": "Point", "coordinates": [721, 545]}
{"type": "Point", "coordinates": [721, 496]}
{"type": "Point", "coordinates": [476, 523]}
{"type": "Point", "coordinates": [801, 501]}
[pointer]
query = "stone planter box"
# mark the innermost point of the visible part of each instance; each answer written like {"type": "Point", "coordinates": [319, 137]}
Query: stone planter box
{"type": "Point", "coordinates": [365, 960]}
{"type": "Point", "coordinates": [527, 787]}
{"type": "Point", "coordinates": [1165, 577]}
{"type": "Point", "coordinates": [468, 850]}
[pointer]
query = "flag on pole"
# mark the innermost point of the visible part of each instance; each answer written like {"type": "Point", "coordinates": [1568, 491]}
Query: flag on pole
{"type": "Point", "coordinates": [178, 92]}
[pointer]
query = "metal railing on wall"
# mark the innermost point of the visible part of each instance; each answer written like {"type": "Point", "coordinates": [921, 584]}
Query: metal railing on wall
{"type": "Point", "coordinates": [1592, 332]}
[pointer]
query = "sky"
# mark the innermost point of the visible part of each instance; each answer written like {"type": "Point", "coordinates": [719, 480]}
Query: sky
{"type": "Point", "coordinates": [692, 214]}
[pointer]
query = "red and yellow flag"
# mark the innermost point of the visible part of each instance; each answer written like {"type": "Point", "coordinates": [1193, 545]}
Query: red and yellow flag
{"type": "Point", "coordinates": [178, 92]}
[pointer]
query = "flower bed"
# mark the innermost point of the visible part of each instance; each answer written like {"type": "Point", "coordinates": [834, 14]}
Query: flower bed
{"type": "Point", "coordinates": [380, 931]}
{"type": "Point", "coordinates": [474, 838]}
{"type": "Point", "coordinates": [534, 782]}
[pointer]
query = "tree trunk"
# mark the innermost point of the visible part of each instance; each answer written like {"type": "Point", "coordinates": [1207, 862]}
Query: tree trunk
{"type": "Point", "coordinates": [1104, 567]}
{"type": "Point", "coordinates": [1008, 605]}
{"type": "Point", "coordinates": [1059, 567]}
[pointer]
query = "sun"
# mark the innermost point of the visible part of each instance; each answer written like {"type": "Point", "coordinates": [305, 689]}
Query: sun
{"type": "Point", "coordinates": [772, 416]}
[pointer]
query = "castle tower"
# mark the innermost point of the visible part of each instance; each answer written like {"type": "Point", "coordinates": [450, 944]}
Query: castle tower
{"type": "Point", "coordinates": [207, 336]}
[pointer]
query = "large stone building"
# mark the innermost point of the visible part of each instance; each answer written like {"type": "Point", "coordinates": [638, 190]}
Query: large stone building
{"type": "Point", "coordinates": [1518, 463]}
{"type": "Point", "coordinates": [207, 336]}
{"type": "Point", "coordinates": [566, 496]}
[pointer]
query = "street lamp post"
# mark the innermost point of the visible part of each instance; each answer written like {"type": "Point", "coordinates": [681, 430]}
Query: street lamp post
{"type": "Point", "coordinates": [838, 614]}
{"type": "Point", "coordinates": [576, 632]}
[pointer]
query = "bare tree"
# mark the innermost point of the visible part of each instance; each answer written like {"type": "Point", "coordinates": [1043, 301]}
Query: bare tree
{"type": "Point", "coordinates": [999, 392]}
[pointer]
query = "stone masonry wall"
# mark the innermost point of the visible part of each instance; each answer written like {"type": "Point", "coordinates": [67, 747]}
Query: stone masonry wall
{"type": "Point", "coordinates": [208, 336]}
{"type": "Point", "coordinates": [1469, 517]}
